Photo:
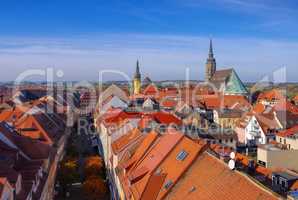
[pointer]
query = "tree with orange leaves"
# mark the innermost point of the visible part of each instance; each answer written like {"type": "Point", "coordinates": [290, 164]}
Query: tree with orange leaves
{"type": "Point", "coordinates": [67, 173]}
{"type": "Point", "coordinates": [94, 166]}
{"type": "Point", "coordinates": [95, 188]}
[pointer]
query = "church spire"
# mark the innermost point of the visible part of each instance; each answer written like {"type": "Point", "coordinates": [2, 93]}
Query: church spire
{"type": "Point", "coordinates": [210, 64]}
{"type": "Point", "coordinates": [210, 49]}
{"type": "Point", "coordinates": [137, 80]}
{"type": "Point", "coordinates": [137, 73]}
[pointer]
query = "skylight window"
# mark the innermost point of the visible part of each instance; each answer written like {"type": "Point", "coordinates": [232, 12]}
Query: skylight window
{"type": "Point", "coordinates": [181, 155]}
{"type": "Point", "coordinates": [168, 184]}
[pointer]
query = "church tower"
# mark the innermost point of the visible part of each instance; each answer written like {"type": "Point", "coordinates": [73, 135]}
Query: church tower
{"type": "Point", "coordinates": [137, 80]}
{"type": "Point", "coordinates": [210, 64]}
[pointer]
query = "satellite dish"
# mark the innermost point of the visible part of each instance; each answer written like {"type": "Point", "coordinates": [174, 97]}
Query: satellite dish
{"type": "Point", "coordinates": [232, 155]}
{"type": "Point", "coordinates": [232, 164]}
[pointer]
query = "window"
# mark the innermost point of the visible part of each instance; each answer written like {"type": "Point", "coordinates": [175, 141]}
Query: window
{"type": "Point", "coordinates": [231, 140]}
{"type": "Point", "coordinates": [283, 183]}
{"type": "Point", "coordinates": [181, 155]}
{"type": "Point", "coordinates": [168, 184]}
{"type": "Point", "coordinates": [262, 163]}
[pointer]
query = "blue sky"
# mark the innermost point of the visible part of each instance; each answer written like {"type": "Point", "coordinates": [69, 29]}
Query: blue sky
{"type": "Point", "coordinates": [84, 37]}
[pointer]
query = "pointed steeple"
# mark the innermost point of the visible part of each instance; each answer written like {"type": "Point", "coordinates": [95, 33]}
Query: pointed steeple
{"type": "Point", "coordinates": [210, 49]}
{"type": "Point", "coordinates": [137, 73]}
{"type": "Point", "coordinates": [210, 64]}
{"type": "Point", "coordinates": [137, 80]}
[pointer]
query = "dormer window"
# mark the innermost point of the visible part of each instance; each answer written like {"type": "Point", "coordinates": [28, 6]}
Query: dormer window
{"type": "Point", "coordinates": [181, 155]}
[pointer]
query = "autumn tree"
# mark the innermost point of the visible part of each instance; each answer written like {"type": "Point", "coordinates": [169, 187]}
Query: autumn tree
{"type": "Point", "coordinates": [95, 188]}
{"type": "Point", "coordinates": [93, 166]}
{"type": "Point", "coordinates": [67, 173]}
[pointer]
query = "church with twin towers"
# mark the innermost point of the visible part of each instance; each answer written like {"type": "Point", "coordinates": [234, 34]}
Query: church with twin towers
{"type": "Point", "coordinates": [226, 81]}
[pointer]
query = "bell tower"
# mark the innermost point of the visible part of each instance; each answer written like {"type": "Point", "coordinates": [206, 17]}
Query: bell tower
{"type": "Point", "coordinates": [210, 64]}
{"type": "Point", "coordinates": [137, 80]}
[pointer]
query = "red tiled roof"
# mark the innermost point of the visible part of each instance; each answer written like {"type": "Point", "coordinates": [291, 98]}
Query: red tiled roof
{"type": "Point", "coordinates": [14, 113]}
{"type": "Point", "coordinates": [173, 174]}
{"type": "Point", "coordinates": [221, 150]}
{"type": "Point", "coordinates": [124, 140]}
{"type": "Point", "coordinates": [169, 103]}
{"type": "Point", "coordinates": [242, 159]}
{"type": "Point", "coordinates": [295, 98]}
{"type": "Point", "coordinates": [288, 132]}
{"type": "Point", "coordinates": [118, 117]}
{"type": "Point", "coordinates": [259, 108]}
{"type": "Point", "coordinates": [151, 171]}
{"type": "Point", "coordinates": [286, 106]}
{"type": "Point", "coordinates": [151, 90]}
{"type": "Point", "coordinates": [166, 118]}
{"type": "Point", "coordinates": [151, 160]}
{"type": "Point", "coordinates": [226, 101]}
{"type": "Point", "coordinates": [270, 95]}
{"type": "Point", "coordinates": [264, 171]}
{"type": "Point", "coordinates": [153, 186]}
{"type": "Point", "coordinates": [142, 149]}
{"type": "Point", "coordinates": [31, 148]}
{"type": "Point", "coordinates": [210, 179]}
{"type": "Point", "coordinates": [150, 174]}
{"type": "Point", "coordinates": [294, 187]}
{"type": "Point", "coordinates": [145, 121]}
{"type": "Point", "coordinates": [267, 121]}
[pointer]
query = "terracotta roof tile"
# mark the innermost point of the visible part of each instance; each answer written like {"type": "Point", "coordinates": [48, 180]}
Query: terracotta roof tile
{"type": "Point", "coordinates": [153, 159]}
{"type": "Point", "coordinates": [151, 90]}
{"type": "Point", "coordinates": [286, 106]}
{"type": "Point", "coordinates": [154, 186]}
{"type": "Point", "coordinates": [166, 118]}
{"type": "Point", "coordinates": [143, 148]}
{"type": "Point", "coordinates": [242, 159]}
{"type": "Point", "coordinates": [288, 132]}
{"type": "Point", "coordinates": [264, 171]}
{"type": "Point", "coordinates": [210, 179]}
{"type": "Point", "coordinates": [125, 140]}
{"type": "Point", "coordinates": [157, 164]}
{"type": "Point", "coordinates": [259, 108]}
{"type": "Point", "coordinates": [271, 95]}
{"type": "Point", "coordinates": [34, 149]}
{"type": "Point", "coordinates": [191, 149]}
{"type": "Point", "coordinates": [168, 103]}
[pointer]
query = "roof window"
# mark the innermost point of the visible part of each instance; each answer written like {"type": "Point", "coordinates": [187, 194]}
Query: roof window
{"type": "Point", "coordinates": [168, 184]}
{"type": "Point", "coordinates": [181, 155]}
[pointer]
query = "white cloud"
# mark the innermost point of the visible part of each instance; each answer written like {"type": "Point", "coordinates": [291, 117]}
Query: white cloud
{"type": "Point", "coordinates": [161, 56]}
